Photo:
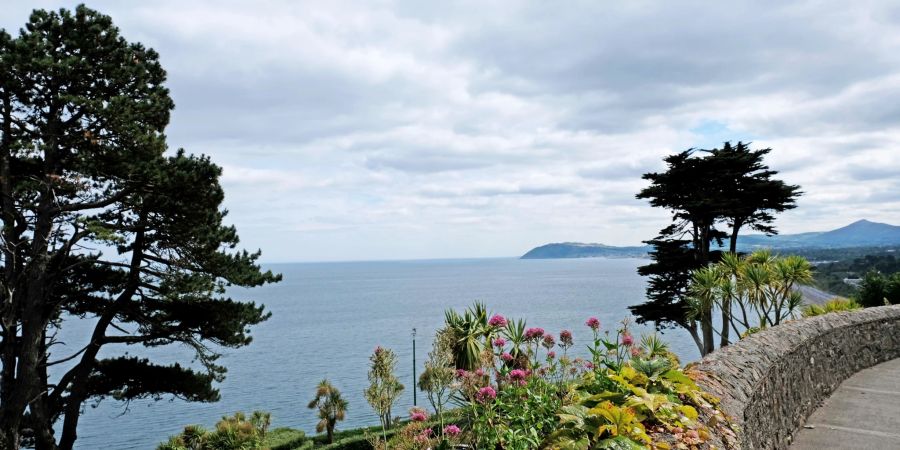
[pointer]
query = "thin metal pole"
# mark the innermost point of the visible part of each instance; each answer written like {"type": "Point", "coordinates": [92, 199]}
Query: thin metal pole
{"type": "Point", "coordinates": [414, 367]}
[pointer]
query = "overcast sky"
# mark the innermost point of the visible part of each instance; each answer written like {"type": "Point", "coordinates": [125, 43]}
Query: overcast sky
{"type": "Point", "coordinates": [395, 130]}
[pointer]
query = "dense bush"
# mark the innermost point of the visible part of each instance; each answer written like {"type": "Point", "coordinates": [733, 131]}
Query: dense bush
{"type": "Point", "coordinates": [834, 305]}
{"type": "Point", "coordinates": [518, 389]}
{"type": "Point", "coordinates": [878, 289]}
{"type": "Point", "coordinates": [286, 439]}
{"type": "Point", "coordinates": [236, 432]}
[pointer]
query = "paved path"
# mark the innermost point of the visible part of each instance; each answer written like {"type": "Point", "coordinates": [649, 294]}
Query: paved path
{"type": "Point", "coordinates": [863, 413]}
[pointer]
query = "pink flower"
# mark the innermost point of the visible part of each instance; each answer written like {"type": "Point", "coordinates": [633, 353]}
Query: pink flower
{"type": "Point", "coordinates": [497, 321]}
{"type": "Point", "coordinates": [461, 373]}
{"type": "Point", "coordinates": [499, 342]}
{"type": "Point", "coordinates": [418, 415]}
{"type": "Point", "coordinates": [533, 334]}
{"type": "Point", "coordinates": [549, 341]}
{"type": "Point", "coordinates": [518, 376]}
{"type": "Point", "coordinates": [551, 355]}
{"type": "Point", "coordinates": [479, 372]}
{"type": "Point", "coordinates": [593, 323]}
{"type": "Point", "coordinates": [423, 436]}
{"type": "Point", "coordinates": [565, 338]}
{"type": "Point", "coordinates": [452, 430]}
{"type": "Point", "coordinates": [589, 365]}
{"type": "Point", "coordinates": [635, 352]}
{"type": "Point", "coordinates": [627, 339]}
{"type": "Point", "coordinates": [506, 357]}
{"type": "Point", "coordinates": [485, 394]}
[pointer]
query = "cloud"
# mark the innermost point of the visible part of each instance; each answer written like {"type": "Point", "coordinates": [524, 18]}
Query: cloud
{"type": "Point", "coordinates": [347, 127]}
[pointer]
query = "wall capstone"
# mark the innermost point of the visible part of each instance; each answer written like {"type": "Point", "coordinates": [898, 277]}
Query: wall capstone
{"type": "Point", "coordinates": [770, 382]}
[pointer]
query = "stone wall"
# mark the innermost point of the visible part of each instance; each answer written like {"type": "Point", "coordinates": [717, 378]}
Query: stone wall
{"type": "Point", "coordinates": [772, 381]}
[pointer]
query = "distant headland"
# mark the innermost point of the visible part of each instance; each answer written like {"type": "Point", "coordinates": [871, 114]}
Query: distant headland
{"type": "Point", "coordinates": [862, 233]}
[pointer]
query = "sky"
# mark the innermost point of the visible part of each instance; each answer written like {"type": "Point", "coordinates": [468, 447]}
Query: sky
{"type": "Point", "coordinates": [383, 129]}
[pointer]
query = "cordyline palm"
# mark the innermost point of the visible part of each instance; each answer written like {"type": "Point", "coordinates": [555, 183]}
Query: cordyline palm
{"type": "Point", "coordinates": [472, 333]}
{"type": "Point", "coordinates": [704, 294]}
{"type": "Point", "coordinates": [332, 408]}
{"type": "Point", "coordinates": [760, 283]}
{"type": "Point", "coordinates": [789, 272]}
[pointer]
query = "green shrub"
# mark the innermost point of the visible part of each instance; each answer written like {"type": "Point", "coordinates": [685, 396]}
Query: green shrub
{"type": "Point", "coordinates": [352, 443]}
{"type": "Point", "coordinates": [878, 289]}
{"type": "Point", "coordinates": [236, 432]}
{"type": "Point", "coordinates": [321, 439]}
{"type": "Point", "coordinates": [286, 439]}
{"type": "Point", "coordinates": [834, 305]}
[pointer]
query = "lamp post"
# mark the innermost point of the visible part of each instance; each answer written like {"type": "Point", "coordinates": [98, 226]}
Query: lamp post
{"type": "Point", "coordinates": [414, 366]}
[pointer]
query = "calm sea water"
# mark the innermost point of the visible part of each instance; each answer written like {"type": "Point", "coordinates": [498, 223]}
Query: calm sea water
{"type": "Point", "coordinates": [328, 317]}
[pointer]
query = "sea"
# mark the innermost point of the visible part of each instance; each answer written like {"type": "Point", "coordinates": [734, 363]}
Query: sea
{"type": "Point", "coordinates": [327, 318]}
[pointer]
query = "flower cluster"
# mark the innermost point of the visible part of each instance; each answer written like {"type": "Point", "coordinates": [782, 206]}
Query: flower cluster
{"type": "Point", "coordinates": [549, 341]}
{"type": "Point", "coordinates": [517, 376]}
{"type": "Point", "coordinates": [452, 430]}
{"type": "Point", "coordinates": [565, 339]}
{"type": "Point", "coordinates": [497, 321]}
{"type": "Point", "coordinates": [534, 334]}
{"type": "Point", "coordinates": [418, 415]}
{"type": "Point", "coordinates": [486, 394]}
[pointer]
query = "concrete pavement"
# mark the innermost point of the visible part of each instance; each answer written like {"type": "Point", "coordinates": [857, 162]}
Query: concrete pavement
{"type": "Point", "coordinates": [863, 413]}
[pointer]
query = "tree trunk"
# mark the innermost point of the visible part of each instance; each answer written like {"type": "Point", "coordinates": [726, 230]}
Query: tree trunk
{"type": "Point", "coordinates": [732, 247]}
{"type": "Point", "coordinates": [726, 323]}
{"type": "Point", "coordinates": [706, 326]}
{"type": "Point", "coordinates": [692, 329]}
{"type": "Point", "coordinates": [726, 306]}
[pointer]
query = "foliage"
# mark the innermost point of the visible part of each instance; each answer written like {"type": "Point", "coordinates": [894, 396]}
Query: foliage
{"type": "Point", "coordinates": [621, 404]}
{"type": "Point", "coordinates": [729, 187]}
{"type": "Point", "coordinates": [631, 394]}
{"type": "Point", "coordinates": [284, 438]}
{"type": "Point", "coordinates": [384, 387]}
{"type": "Point", "coordinates": [833, 305]}
{"type": "Point", "coordinates": [627, 393]}
{"type": "Point", "coordinates": [471, 335]}
{"type": "Point", "coordinates": [877, 289]}
{"type": "Point", "coordinates": [851, 264]}
{"type": "Point", "coordinates": [332, 408]}
{"type": "Point", "coordinates": [419, 433]}
{"type": "Point", "coordinates": [231, 433]}
{"type": "Point", "coordinates": [438, 377]}
{"type": "Point", "coordinates": [757, 290]}
{"type": "Point", "coordinates": [84, 166]}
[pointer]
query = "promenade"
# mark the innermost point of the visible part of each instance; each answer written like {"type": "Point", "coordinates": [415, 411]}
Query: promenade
{"type": "Point", "coordinates": [863, 413]}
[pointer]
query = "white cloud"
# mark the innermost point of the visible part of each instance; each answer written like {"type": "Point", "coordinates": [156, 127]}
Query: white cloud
{"type": "Point", "coordinates": [401, 129]}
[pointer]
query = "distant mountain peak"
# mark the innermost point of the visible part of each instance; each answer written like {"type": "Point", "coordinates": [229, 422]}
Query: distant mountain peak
{"type": "Point", "coordinates": [862, 233]}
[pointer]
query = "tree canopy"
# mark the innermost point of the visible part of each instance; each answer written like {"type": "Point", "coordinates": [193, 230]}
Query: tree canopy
{"type": "Point", "coordinates": [712, 195]}
{"type": "Point", "coordinates": [101, 222]}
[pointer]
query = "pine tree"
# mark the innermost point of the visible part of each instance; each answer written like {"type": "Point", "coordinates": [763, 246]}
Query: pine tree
{"type": "Point", "coordinates": [101, 223]}
{"type": "Point", "coordinates": [712, 195]}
